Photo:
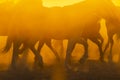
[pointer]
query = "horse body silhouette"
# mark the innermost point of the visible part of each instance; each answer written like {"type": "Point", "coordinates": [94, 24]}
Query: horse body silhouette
{"type": "Point", "coordinates": [52, 30]}
{"type": "Point", "coordinates": [112, 29]}
{"type": "Point", "coordinates": [72, 28]}
{"type": "Point", "coordinates": [17, 42]}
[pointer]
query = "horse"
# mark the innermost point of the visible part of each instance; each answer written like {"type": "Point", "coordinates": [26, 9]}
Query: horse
{"type": "Point", "coordinates": [71, 30]}
{"type": "Point", "coordinates": [108, 20]}
{"type": "Point", "coordinates": [15, 51]}
{"type": "Point", "coordinates": [48, 43]}
{"type": "Point", "coordinates": [112, 27]}
{"type": "Point", "coordinates": [18, 43]}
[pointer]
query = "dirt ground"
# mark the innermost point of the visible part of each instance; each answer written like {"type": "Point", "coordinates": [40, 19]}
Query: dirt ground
{"type": "Point", "coordinates": [91, 70]}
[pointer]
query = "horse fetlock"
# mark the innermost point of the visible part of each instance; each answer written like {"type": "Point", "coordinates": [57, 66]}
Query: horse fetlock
{"type": "Point", "coordinates": [82, 60]}
{"type": "Point", "coordinates": [58, 59]}
{"type": "Point", "coordinates": [110, 59]}
{"type": "Point", "coordinates": [68, 61]}
{"type": "Point", "coordinates": [85, 56]}
{"type": "Point", "coordinates": [102, 59]}
{"type": "Point", "coordinates": [39, 61]}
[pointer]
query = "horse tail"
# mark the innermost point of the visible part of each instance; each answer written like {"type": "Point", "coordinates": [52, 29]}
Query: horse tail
{"type": "Point", "coordinates": [7, 46]}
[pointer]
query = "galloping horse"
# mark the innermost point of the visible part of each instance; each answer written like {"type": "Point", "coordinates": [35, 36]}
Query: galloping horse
{"type": "Point", "coordinates": [109, 6]}
{"type": "Point", "coordinates": [113, 27]}
{"type": "Point", "coordinates": [73, 28]}
{"type": "Point", "coordinates": [17, 42]}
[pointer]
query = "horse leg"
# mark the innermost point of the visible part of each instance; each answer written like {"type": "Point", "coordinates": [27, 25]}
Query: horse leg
{"type": "Point", "coordinates": [22, 49]}
{"type": "Point", "coordinates": [85, 56]}
{"type": "Point", "coordinates": [48, 43]}
{"type": "Point", "coordinates": [110, 36]}
{"type": "Point", "coordinates": [16, 45]}
{"type": "Point", "coordinates": [40, 45]}
{"type": "Point", "coordinates": [100, 38]}
{"type": "Point", "coordinates": [106, 47]}
{"type": "Point", "coordinates": [96, 41]}
{"type": "Point", "coordinates": [110, 42]}
{"type": "Point", "coordinates": [111, 46]}
{"type": "Point", "coordinates": [38, 57]}
{"type": "Point", "coordinates": [70, 47]}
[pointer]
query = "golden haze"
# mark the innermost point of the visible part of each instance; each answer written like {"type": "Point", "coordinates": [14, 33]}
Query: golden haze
{"type": "Point", "coordinates": [50, 3]}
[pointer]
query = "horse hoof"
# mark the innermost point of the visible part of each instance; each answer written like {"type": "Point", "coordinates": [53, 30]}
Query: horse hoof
{"type": "Point", "coordinates": [110, 62]}
{"type": "Point", "coordinates": [68, 67]}
{"type": "Point", "coordinates": [41, 65]}
{"type": "Point", "coordinates": [102, 60]}
{"type": "Point", "coordinates": [38, 64]}
{"type": "Point", "coordinates": [82, 60]}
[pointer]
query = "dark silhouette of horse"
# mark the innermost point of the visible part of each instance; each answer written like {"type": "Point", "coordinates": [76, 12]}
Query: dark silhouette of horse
{"type": "Point", "coordinates": [17, 42]}
{"type": "Point", "coordinates": [96, 38]}
{"type": "Point", "coordinates": [112, 29]}
{"type": "Point", "coordinates": [76, 27]}
{"type": "Point", "coordinates": [7, 16]}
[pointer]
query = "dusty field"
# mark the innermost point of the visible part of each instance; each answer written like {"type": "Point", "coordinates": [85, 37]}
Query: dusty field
{"type": "Point", "coordinates": [91, 70]}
